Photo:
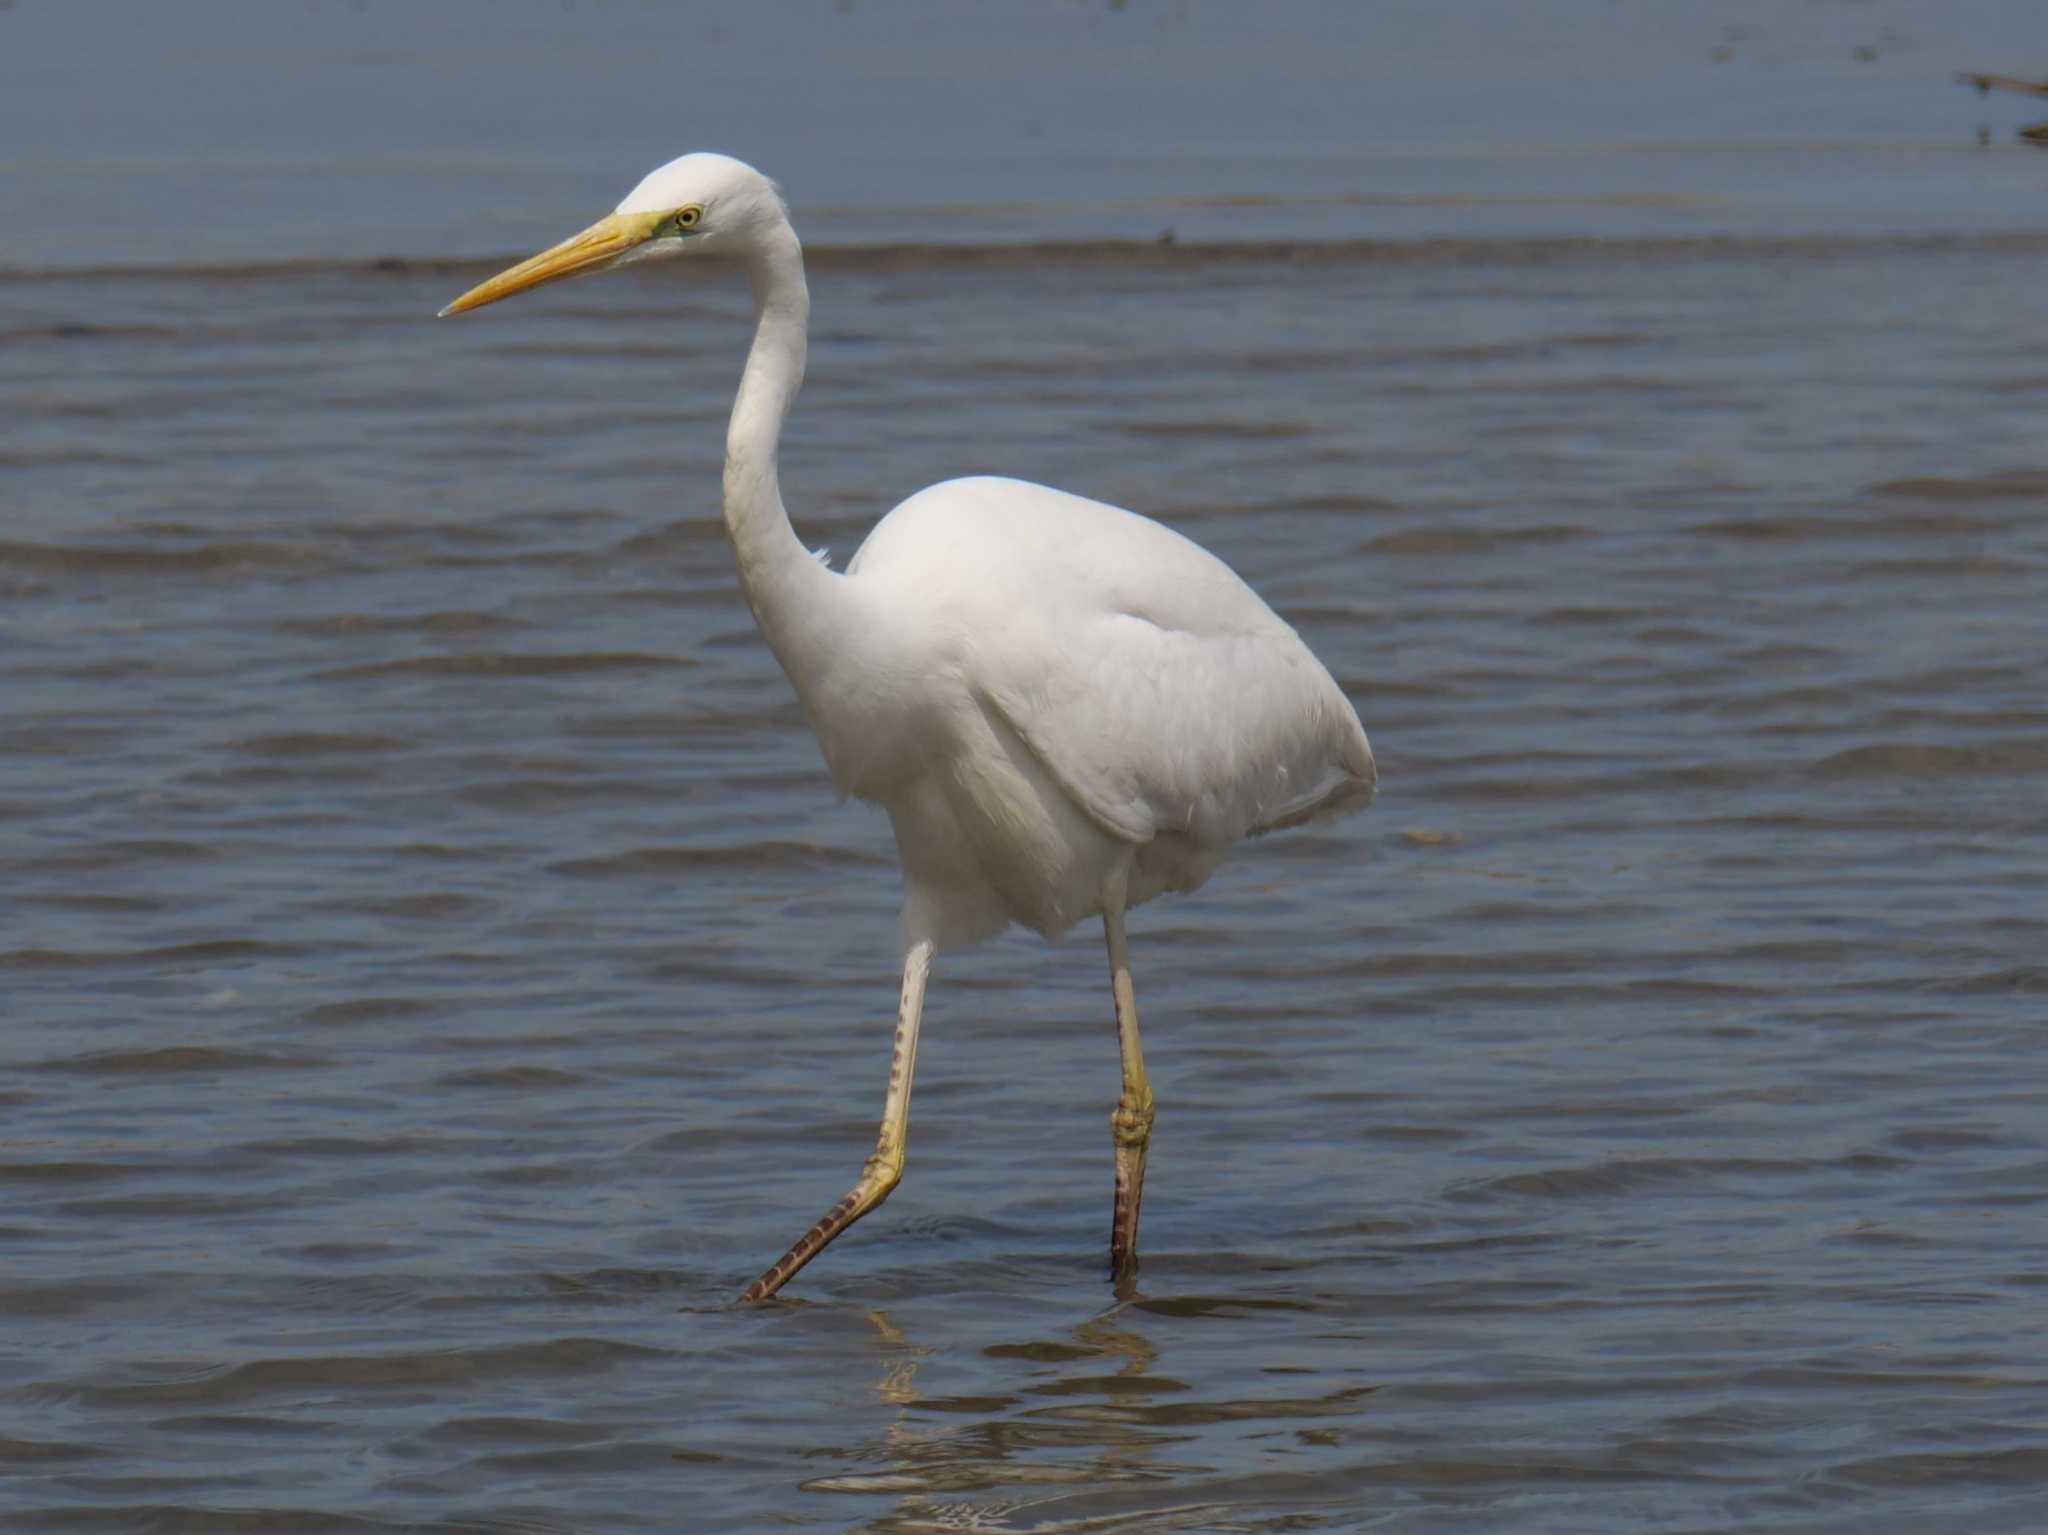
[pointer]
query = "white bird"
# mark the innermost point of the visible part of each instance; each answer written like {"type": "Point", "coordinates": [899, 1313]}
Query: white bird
{"type": "Point", "coordinates": [1065, 708]}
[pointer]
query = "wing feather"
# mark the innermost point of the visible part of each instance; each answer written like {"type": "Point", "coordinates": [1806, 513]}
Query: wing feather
{"type": "Point", "coordinates": [1151, 729]}
{"type": "Point", "coordinates": [1152, 685]}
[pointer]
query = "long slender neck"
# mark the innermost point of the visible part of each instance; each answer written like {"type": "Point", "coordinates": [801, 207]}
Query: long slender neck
{"type": "Point", "coordinates": [784, 585]}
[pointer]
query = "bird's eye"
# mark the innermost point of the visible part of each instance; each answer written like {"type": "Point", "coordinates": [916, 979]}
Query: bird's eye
{"type": "Point", "coordinates": [685, 219]}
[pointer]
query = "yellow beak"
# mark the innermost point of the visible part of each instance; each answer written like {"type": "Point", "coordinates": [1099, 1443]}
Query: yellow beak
{"type": "Point", "coordinates": [602, 242]}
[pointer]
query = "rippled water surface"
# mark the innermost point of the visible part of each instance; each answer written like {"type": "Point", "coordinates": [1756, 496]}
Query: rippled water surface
{"type": "Point", "coordinates": [439, 978]}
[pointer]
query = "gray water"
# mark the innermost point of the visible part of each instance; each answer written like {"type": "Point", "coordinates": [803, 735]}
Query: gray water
{"type": "Point", "coordinates": [438, 978]}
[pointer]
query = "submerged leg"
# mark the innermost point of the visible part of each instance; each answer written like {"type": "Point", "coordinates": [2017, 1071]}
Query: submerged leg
{"type": "Point", "coordinates": [884, 1169]}
{"type": "Point", "coordinates": [1131, 1125]}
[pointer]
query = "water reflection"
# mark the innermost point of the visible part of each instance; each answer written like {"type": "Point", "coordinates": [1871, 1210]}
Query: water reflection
{"type": "Point", "coordinates": [1115, 1438]}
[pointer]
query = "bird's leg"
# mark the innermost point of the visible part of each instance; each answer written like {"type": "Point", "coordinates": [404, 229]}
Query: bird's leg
{"type": "Point", "coordinates": [884, 1169]}
{"type": "Point", "coordinates": [1131, 1125]}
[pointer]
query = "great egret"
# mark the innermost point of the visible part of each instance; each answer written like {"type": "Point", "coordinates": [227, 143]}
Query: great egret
{"type": "Point", "coordinates": [1065, 708]}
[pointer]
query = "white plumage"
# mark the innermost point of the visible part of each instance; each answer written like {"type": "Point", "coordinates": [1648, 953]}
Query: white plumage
{"type": "Point", "coordinates": [1083, 681]}
{"type": "Point", "coordinates": [1065, 708]}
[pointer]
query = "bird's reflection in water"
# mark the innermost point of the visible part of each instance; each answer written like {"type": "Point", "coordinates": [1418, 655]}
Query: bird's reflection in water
{"type": "Point", "coordinates": [1090, 1448]}
{"type": "Point", "coordinates": [898, 1385]}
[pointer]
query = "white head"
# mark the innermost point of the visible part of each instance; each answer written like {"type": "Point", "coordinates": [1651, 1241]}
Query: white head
{"type": "Point", "coordinates": [700, 203]}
